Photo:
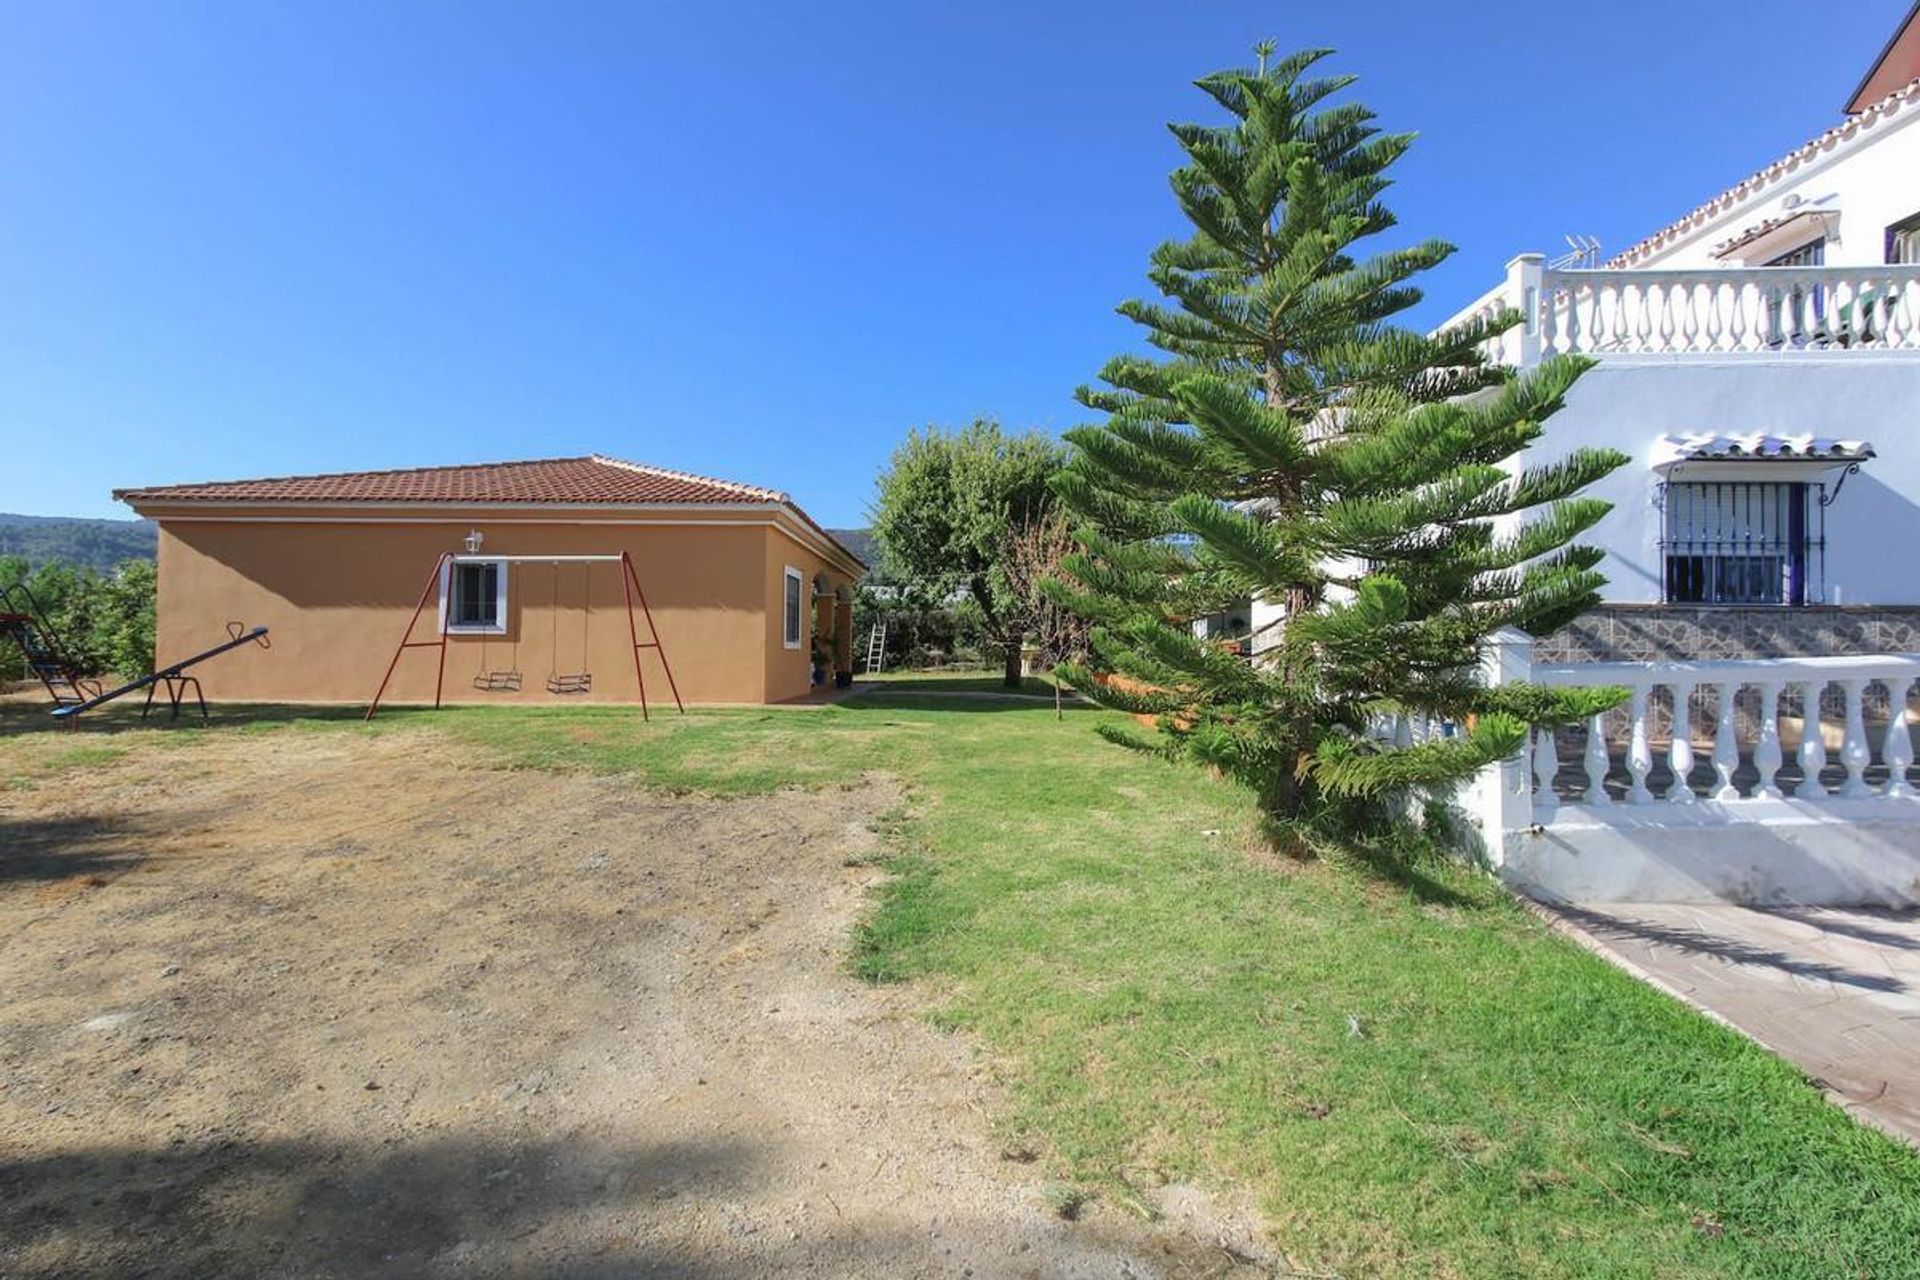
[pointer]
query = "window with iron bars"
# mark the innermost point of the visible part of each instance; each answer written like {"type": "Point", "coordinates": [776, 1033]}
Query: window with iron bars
{"type": "Point", "coordinates": [1737, 542]}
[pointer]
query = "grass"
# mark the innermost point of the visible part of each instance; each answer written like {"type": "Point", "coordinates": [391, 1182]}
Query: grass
{"type": "Point", "coordinates": [1409, 1076]}
{"type": "Point", "coordinates": [935, 681]}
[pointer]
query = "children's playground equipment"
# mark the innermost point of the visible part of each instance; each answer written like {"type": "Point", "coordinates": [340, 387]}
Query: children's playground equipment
{"type": "Point", "coordinates": [23, 621]}
{"type": "Point", "coordinates": [558, 681]}
{"type": "Point", "coordinates": [177, 684]}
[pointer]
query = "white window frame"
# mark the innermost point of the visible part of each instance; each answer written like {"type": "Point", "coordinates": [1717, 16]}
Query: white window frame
{"type": "Point", "coordinates": [499, 626]}
{"type": "Point", "coordinates": [798, 635]}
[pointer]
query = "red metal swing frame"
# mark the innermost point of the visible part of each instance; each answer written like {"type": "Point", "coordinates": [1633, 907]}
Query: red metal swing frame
{"type": "Point", "coordinates": [630, 586]}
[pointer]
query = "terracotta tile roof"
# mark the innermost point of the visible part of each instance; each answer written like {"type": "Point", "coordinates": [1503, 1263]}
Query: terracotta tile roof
{"type": "Point", "coordinates": [592, 479]}
{"type": "Point", "coordinates": [1843, 132]}
{"type": "Point", "coordinates": [1758, 446]}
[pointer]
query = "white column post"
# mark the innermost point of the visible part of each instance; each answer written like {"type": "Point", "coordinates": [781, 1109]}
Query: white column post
{"type": "Point", "coordinates": [1897, 747]}
{"type": "Point", "coordinates": [1524, 279]}
{"type": "Point", "coordinates": [1766, 752]}
{"type": "Point", "coordinates": [1813, 745]}
{"type": "Point", "coordinates": [1500, 799]}
{"type": "Point", "coordinates": [1639, 751]}
{"type": "Point", "coordinates": [1854, 751]}
{"type": "Point", "coordinates": [1726, 747]}
{"type": "Point", "coordinates": [1680, 746]}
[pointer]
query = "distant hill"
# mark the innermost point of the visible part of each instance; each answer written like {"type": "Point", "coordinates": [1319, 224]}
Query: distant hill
{"type": "Point", "coordinates": [861, 543]}
{"type": "Point", "coordinates": [101, 544]}
{"type": "Point", "coordinates": [98, 544]}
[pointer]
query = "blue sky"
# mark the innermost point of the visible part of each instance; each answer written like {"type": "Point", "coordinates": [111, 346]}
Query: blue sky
{"type": "Point", "coordinates": [757, 240]}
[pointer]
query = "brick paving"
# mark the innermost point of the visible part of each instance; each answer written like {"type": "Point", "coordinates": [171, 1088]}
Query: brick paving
{"type": "Point", "coordinates": [1836, 991]}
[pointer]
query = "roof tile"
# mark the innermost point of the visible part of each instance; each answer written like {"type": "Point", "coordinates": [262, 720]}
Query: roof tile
{"type": "Point", "coordinates": [592, 479]}
{"type": "Point", "coordinates": [1866, 120]}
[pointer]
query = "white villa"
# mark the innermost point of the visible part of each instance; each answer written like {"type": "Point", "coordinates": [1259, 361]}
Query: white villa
{"type": "Point", "coordinates": [1760, 359]}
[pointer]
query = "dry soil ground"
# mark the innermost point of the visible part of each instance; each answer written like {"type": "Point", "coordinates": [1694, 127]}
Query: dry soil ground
{"type": "Point", "coordinates": [313, 1004]}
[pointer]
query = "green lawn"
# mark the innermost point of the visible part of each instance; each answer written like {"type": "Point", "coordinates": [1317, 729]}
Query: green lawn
{"type": "Point", "coordinates": [1409, 1075]}
{"type": "Point", "coordinates": [957, 682]}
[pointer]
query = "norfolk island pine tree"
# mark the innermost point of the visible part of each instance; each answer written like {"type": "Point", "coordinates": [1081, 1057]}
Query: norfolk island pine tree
{"type": "Point", "coordinates": [1294, 444]}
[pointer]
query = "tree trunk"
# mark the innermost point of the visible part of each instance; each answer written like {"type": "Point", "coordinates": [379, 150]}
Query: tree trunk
{"type": "Point", "coordinates": [1012, 680]}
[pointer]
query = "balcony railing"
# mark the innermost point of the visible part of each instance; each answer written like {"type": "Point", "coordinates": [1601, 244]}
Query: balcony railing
{"type": "Point", "coordinates": [1710, 311]}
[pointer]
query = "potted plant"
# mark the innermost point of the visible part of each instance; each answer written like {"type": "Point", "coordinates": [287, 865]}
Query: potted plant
{"type": "Point", "coordinates": [820, 661]}
{"type": "Point", "coordinates": [841, 666]}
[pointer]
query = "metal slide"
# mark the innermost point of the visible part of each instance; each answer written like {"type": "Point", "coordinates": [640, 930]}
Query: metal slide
{"type": "Point", "coordinates": [23, 621]}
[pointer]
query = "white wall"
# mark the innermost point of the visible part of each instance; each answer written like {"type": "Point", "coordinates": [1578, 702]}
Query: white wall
{"type": "Point", "coordinates": [1872, 529]}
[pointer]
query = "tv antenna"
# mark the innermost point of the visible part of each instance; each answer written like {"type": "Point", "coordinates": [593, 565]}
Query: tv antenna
{"type": "Point", "coordinates": [1583, 254]}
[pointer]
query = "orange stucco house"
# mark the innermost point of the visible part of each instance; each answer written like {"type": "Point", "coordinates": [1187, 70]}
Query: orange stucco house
{"type": "Point", "coordinates": [741, 584]}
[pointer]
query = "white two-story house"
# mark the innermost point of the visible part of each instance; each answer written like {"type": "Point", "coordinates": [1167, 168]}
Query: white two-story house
{"type": "Point", "coordinates": [1759, 358]}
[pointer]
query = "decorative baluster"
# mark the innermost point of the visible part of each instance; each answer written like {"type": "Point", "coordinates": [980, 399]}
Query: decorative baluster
{"type": "Point", "coordinates": [1766, 752]}
{"type": "Point", "coordinates": [1693, 298]}
{"type": "Point", "coordinates": [1726, 744]}
{"type": "Point", "coordinates": [1680, 748]}
{"type": "Point", "coordinates": [1813, 746]}
{"type": "Point", "coordinates": [1736, 330]}
{"type": "Point", "coordinates": [1546, 765]}
{"type": "Point", "coordinates": [1854, 751]}
{"type": "Point", "coordinates": [1551, 298]}
{"type": "Point", "coordinates": [1643, 326]}
{"type": "Point", "coordinates": [1897, 748]}
{"type": "Point", "coordinates": [1596, 761]}
{"type": "Point", "coordinates": [1639, 753]}
{"type": "Point", "coordinates": [1402, 730]}
{"type": "Point", "coordinates": [1572, 340]}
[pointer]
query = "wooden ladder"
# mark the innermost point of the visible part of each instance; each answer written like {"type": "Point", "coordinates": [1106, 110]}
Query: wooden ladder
{"type": "Point", "coordinates": [877, 646]}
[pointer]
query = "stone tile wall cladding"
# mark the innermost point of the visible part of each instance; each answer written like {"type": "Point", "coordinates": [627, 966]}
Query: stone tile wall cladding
{"type": "Point", "coordinates": [1677, 633]}
{"type": "Point", "coordinates": [1674, 633]}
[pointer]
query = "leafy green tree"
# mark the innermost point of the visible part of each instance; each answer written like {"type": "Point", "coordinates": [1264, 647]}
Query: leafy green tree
{"type": "Point", "coordinates": [124, 626]}
{"type": "Point", "coordinates": [1295, 445]}
{"type": "Point", "coordinates": [948, 503]}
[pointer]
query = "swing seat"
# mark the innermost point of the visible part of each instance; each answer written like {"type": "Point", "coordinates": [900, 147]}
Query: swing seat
{"type": "Point", "coordinates": [497, 682]}
{"type": "Point", "coordinates": [572, 682]}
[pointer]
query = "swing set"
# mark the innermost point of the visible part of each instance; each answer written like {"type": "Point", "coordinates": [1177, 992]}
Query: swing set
{"type": "Point", "coordinates": [558, 682]}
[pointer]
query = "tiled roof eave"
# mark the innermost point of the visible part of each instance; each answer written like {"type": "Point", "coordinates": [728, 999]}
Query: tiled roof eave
{"type": "Point", "coordinates": [1845, 133]}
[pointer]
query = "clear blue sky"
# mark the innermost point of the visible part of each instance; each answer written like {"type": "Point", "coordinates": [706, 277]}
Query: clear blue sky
{"type": "Point", "coordinates": [758, 240]}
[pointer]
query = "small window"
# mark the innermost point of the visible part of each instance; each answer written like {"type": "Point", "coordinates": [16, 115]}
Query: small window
{"type": "Point", "coordinates": [1903, 242]}
{"type": "Point", "coordinates": [476, 597]}
{"type": "Point", "coordinates": [795, 616]}
{"type": "Point", "coordinates": [1811, 254]}
{"type": "Point", "coordinates": [1740, 543]}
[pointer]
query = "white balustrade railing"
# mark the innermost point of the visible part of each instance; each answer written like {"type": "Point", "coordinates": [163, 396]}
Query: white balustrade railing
{"type": "Point", "coordinates": [1705, 311]}
{"type": "Point", "coordinates": [1754, 741]}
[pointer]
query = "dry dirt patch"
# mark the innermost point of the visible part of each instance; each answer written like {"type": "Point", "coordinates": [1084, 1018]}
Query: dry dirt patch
{"type": "Point", "coordinates": [321, 1005]}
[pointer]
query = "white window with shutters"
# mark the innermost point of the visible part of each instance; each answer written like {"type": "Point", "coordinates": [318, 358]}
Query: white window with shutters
{"type": "Point", "coordinates": [794, 608]}
{"type": "Point", "coordinates": [473, 597]}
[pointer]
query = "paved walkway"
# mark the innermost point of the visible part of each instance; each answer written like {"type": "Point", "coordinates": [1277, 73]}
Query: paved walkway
{"type": "Point", "coordinates": [1835, 991]}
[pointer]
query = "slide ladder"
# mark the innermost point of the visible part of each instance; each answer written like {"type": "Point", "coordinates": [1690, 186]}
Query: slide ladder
{"type": "Point", "coordinates": [23, 621]}
{"type": "Point", "coordinates": [877, 646]}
